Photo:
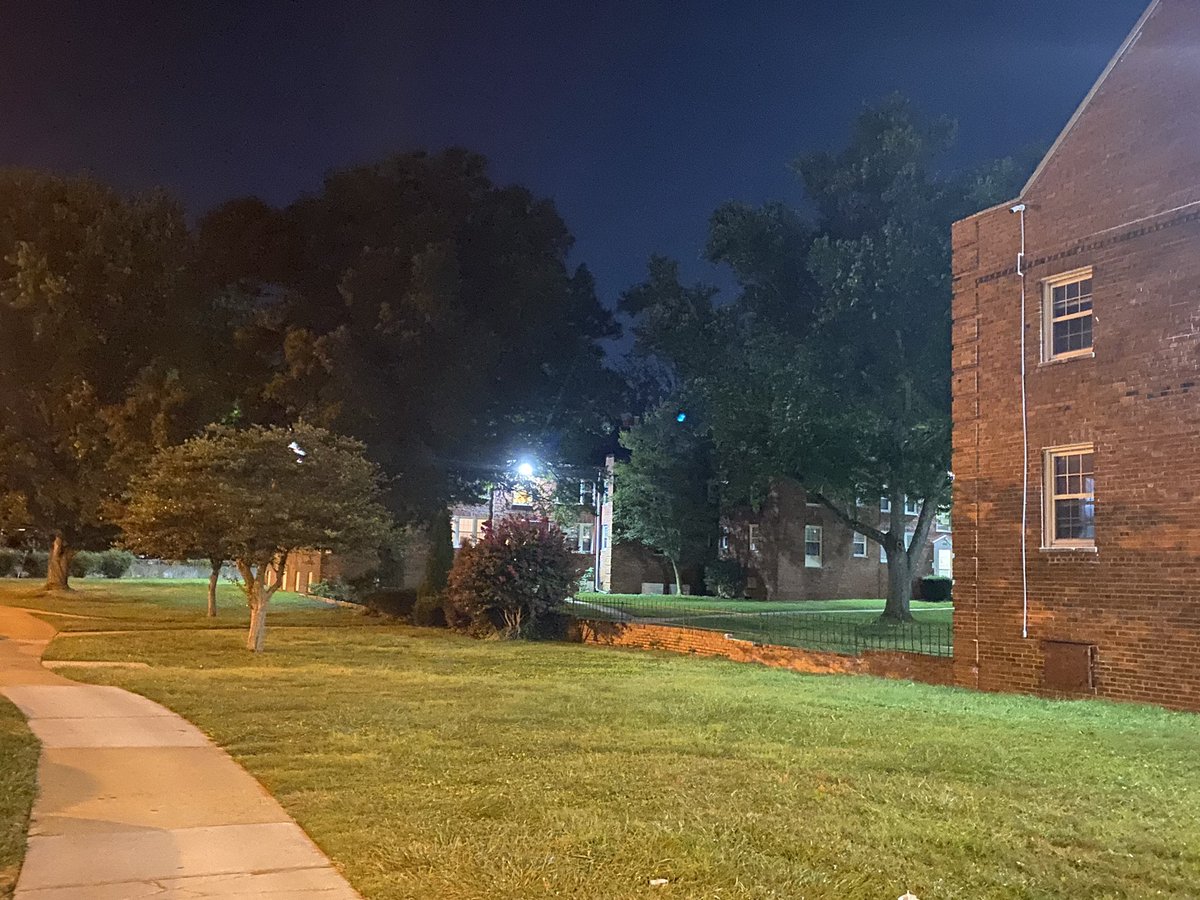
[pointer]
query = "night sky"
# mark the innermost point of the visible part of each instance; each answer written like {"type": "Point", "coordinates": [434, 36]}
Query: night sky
{"type": "Point", "coordinates": [638, 118]}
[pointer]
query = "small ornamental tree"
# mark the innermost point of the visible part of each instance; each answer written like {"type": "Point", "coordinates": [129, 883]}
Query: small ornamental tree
{"type": "Point", "coordinates": [254, 496]}
{"type": "Point", "coordinates": [518, 571]}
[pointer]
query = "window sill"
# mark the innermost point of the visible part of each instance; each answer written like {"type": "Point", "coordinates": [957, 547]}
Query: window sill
{"type": "Point", "coordinates": [1069, 549]}
{"type": "Point", "coordinates": [1066, 358]}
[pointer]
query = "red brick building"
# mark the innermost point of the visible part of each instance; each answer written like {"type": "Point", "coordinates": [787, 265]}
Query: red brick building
{"type": "Point", "coordinates": [795, 550]}
{"type": "Point", "coordinates": [1076, 386]}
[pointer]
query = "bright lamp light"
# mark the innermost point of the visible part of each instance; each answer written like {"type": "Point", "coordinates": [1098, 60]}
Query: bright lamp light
{"type": "Point", "coordinates": [525, 470]}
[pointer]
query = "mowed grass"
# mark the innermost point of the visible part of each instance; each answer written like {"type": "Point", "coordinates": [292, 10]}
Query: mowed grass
{"type": "Point", "coordinates": [841, 626]}
{"type": "Point", "coordinates": [429, 765]}
{"type": "Point", "coordinates": [660, 606]}
{"type": "Point", "coordinates": [127, 603]}
{"type": "Point", "coordinates": [18, 767]}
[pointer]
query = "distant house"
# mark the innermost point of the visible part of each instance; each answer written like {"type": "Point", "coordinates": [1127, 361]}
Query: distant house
{"type": "Point", "coordinates": [793, 549]}
{"type": "Point", "coordinates": [1076, 363]}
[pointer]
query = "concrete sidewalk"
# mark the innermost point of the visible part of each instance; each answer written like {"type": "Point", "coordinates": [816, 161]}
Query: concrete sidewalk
{"type": "Point", "coordinates": [135, 802]}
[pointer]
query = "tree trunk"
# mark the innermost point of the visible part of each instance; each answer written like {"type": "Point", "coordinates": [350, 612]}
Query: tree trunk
{"type": "Point", "coordinates": [899, 596]}
{"type": "Point", "coordinates": [58, 570]}
{"type": "Point", "coordinates": [678, 584]}
{"type": "Point", "coordinates": [258, 620]}
{"type": "Point", "coordinates": [213, 577]}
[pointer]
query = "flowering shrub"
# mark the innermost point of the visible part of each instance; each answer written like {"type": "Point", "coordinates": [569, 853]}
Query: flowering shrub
{"type": "Point", "coordinates": [515, 573]}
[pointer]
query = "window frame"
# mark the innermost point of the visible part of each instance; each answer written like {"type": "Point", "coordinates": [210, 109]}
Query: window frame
{"type": "Point", "coordinates": [885, 504]}
{"type": "Point", "coordinates": [820, 542]}
{"type": "Point", "coordinates": [1062, 279]}
{"type": "Point", "coordinates": [753, 537]}
{"type": "Point", "coordinates": [526, 495]}
{"type": "Point", "coordinates": [914, 504]}
{"type": "Point", "coordinates": [582, 545]}
{"type": "Point", "coordinates": [605, 537]}
{"type": "Point", "coordinates": [855, 540]}
{"type": "Point", "coordinates": [1050, 540]}
{"type": "Point", "coordinates": [474, 534]}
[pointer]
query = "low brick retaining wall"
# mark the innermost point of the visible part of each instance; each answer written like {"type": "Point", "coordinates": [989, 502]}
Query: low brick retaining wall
{"type": "Point", "coordinates": [883, 663]}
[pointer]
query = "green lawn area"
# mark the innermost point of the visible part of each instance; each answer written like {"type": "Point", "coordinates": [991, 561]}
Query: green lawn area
{"type": "Point", "coordinates": [18, 767]}
{"type": "Point", "coordinates": [429, 765]}
{"type": "Point", "coordinates": [842, 626]}
{"type": "Point", "coordinates": [130, 603]}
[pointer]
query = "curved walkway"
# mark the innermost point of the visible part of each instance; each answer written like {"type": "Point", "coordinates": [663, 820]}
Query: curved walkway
{"type": "Point", "coordinates": [135, 802]}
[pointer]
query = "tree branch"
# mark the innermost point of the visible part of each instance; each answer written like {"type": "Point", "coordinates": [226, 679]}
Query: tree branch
{"type": "Point", "coordinates": [853, 521]}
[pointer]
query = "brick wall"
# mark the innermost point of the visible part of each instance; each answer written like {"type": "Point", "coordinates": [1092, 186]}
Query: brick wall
{"type": "Point", "coordinates": [886, 664]}
{"type": "Point", "coordinates": [1121, 194]}
{"type": "Point", "coordinates": [779, 563]}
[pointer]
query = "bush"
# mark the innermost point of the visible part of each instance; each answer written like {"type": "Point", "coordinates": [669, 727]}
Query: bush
{"type": "Point", "coordinates": [84, 563]}
{"type": "Point", "coordinates": [430, 611]}
{"type": "Point", "coordinates": [726, 578]}
{"type": "Point", "coordinates": [334, 589]}
{"type": "Point", "coordinates": [35, 564]}
{"type": "Point", "coordinates": [114, 563]}
{"type": "Point", "coordinates": [517, 572]}
{"type": "Point", "coordinates": [10, 562]}
{"type": "Point", "coordinates": [936, 588]}
{"type": "Point", "coordinates": [396, 602]}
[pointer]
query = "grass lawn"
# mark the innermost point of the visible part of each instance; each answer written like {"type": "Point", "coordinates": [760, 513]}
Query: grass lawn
{"type": "Point", "coordinates": [843, 626]}
{"type": "Point", "coordinates": [632, 603]}
{"type": "Point", "coordinates": [432, 766]}
{"type": "Point", "coordinates": [130, 603]}
{"type": "Point", "coordinates": [18, 768]}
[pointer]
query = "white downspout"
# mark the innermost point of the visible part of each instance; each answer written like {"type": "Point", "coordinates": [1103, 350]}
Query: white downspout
{"type": "Point", "coordinates": [1020, 209]}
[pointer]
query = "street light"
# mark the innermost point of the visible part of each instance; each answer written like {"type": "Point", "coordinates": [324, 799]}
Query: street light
{"type": "Point", "coordinates": [525, 469]}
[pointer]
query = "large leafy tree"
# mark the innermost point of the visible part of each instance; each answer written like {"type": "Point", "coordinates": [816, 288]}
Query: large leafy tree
{"type": "Point", "coordinates": [253, 496]}
{"type": "Point", "coordinates": [101, 336]}
{"type": "Point", "coordinates": [833, 366]}
{"type": "Point", "coordinates": [664, 496]}
{"type": "Point", "coordinates": [427, 311]}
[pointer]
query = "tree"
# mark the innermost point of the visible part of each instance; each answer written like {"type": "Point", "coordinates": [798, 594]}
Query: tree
{"type": "Point", "coordinates": [253, 496]}
{"type": "Point", "coordinates": [427, 311]}
{"type": "Point", "coordinates": [664, 497]}
{"type": "Point", "coordinates": [833, 366]}
{"type": "Point", "coordinates": [518, 571]}
{"type": "Point", "coordinates": [99, 334]}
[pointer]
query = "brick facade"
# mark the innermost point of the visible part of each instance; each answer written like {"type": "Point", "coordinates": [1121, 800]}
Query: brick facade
{"type": "Point", "coordinates": [1119, 193]}
{"type": "Point", "coordinates": [777, 564]}
{"type": "Point", "coordinates": [694, 641]}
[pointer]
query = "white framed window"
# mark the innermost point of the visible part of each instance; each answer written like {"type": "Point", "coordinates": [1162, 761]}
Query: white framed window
{"type": "Point", "coordinates": [754, 537]}
{"type": "Point", "coordinates": [466, 528]}
{"type": "Point", "coordinates": [522, 498]}
{"type": "Point", "coordinates": [885, 505]}
{"type": "Point", "coordinates": [1067, 315]}
{"type": "Point", "coordinates": [812, 546]}
{"type": "Point", "coordinates": [312, 578]}
{"type": "Point", "coordinates": [1069, 507]}
{"type": "Point", "coordinates": [943, 561]}
{"type": "Point", "coordinates": [908, 539]}
{"type": "Point", "coordinates": [724, 541]}
{"type": "Point", "coordinates": [942, 521]}
{"type": "Point", "coordinates": [858, 546]}
{"type": "Point", "coordinates": [587, 493]}
{"type": "Point", "coordinates": [912, 507]}
{"type": "Point", "coordinates": [583, 538]}
{"type": "Point", "coordinates": [605, 536]}
{"type": "Point", "coordinates": [296, 585]}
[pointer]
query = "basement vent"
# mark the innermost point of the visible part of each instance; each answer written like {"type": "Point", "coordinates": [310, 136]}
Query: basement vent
{"type": "Point", "coordinates": [1067, 666]}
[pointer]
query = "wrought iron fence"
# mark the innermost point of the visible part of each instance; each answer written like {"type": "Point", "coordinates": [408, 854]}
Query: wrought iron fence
{"type": "Point", "coordinates": [840, 631]}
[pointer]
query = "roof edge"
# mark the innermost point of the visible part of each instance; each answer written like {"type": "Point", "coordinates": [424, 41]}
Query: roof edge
{"type": "Point", "coordinates": [1112, 64]}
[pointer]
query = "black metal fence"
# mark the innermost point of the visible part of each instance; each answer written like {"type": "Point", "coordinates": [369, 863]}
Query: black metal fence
{"type": "Point", "coordinates": [848, 630]}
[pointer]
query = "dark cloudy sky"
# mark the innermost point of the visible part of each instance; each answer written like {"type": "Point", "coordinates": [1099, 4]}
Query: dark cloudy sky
{"type": "Point", "coordinates": [638, 117]}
